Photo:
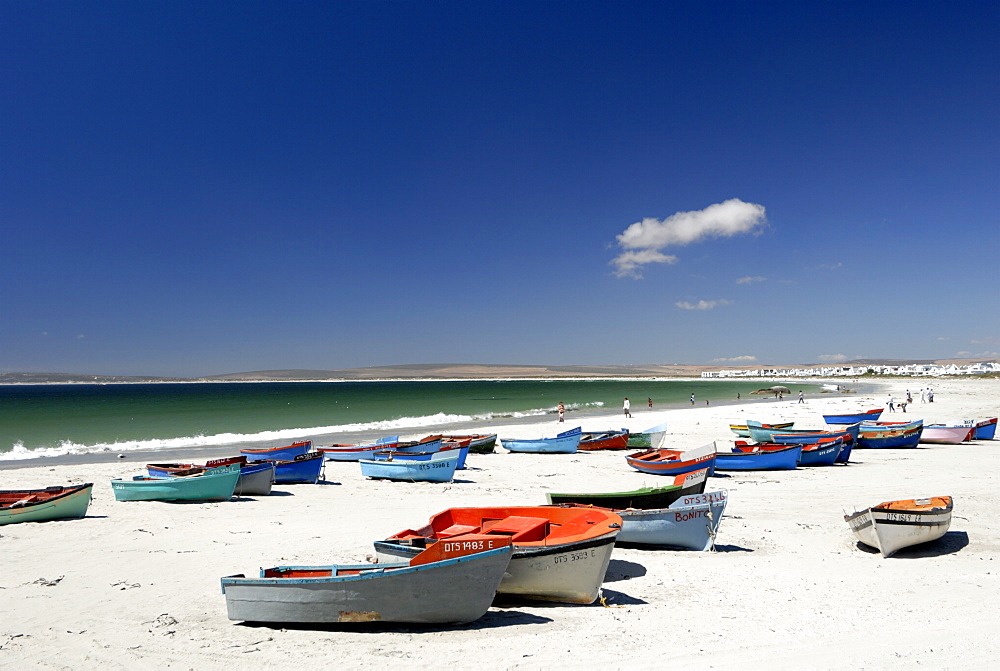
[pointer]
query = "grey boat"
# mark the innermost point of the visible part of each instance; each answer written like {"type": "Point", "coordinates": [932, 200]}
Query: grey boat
{"type": "Point", "coordinates": [452, 590]}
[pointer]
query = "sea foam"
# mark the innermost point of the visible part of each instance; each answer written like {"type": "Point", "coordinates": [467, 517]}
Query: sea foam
{"type": "Point", "coordinates": [19, 451]}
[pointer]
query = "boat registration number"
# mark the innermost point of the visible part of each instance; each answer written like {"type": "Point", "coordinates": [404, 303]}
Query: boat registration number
{"type": "Point", "coordinates": [574, 556]}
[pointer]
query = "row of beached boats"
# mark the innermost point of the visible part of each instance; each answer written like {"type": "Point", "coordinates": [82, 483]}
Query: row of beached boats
{"type": "Point", "coordinates": [450, 569]}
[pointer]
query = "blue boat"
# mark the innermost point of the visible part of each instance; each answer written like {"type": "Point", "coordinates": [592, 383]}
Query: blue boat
{"type": "Point", "coordinates": [305, 468]}
{"type": "Point", "coordinates": [385, 455]}
{"type": "Point", "coordinates": [286, 452]}
{"type": "Point", "coordinates": [821, 454]}
{"type": "Point", "coordinates": [889, 435]}
{"type": "Point", "coordinates": [440, 467]}
{"type": "Point", "coordinates": [673, 462]}
{"type": "Point", "coordinates": [770, 460]}
{"type": "Point", "coordinates": [854, 418]}
{"type": "Point", "coordinates": [355, 452]}
{"type": "Point", "coordinates": [986, 429]}
{"type": "Point", "coordinates": [566, 442]}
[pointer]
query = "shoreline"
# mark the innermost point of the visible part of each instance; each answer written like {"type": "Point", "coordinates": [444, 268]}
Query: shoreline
{"type": "Point", "coordinates": [137, 584]}
{"type": "Point", "coordinates": [496, 425]}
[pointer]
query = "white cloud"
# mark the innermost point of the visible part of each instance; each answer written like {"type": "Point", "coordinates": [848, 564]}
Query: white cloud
{"type": "Point", "coordinates": [721, 220]}
{"type": "Point", "coordinates": [629, 262]}
{"type": "Point", "coordinates": [80, 336]}
{"type": "Point", "coordinates": [701, 305]}
{"type": "Point", "coordinates": [832, 357]}
{"type": "Point", "coordinates": [750, 279]}
{"type": "Point", "coordinates": [746, 358]}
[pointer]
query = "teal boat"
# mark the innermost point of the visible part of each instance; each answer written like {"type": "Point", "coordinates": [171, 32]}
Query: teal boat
{"type": "Point", "coordinates": [216, 484]}
{"type": "Point", "coordinates": [42, 505]}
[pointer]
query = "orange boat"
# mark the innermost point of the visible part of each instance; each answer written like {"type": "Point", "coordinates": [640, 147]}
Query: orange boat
{"type": "Point", "coordinates": [560, 553]}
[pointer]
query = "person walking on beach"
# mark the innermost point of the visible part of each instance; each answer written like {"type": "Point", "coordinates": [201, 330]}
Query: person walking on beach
{"type": "Point", "coordinates": [628, 413]}
{"type": "Point", "coordinates": [923, 395]}
{"type": "Point", "coordinates": [692, 399]}
{"type": "Point", "coordinates": [930, 395]}
{"type": "Point", "coordinates": [650, 402]}
{"type": "Point", "coordinates": [891, 408]}
{"type": "Point", "coordinates": [562, 411]}
{"type": "Point", "coordinates": [909, 399]}
{"type": "Point", "coordinates": [802, 398]}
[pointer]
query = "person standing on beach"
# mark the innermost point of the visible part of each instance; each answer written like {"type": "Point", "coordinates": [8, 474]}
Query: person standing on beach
{"type": "Point", "coordinates": [650, 402]}
{"type": "Point", "coordinates": [802, 398]}
{"type": "Point", "coordinates": [923, 395]}
{"type": "Point", "coordinates": [692, 399]}
{"type": "Point", "coordinates": [562, 411]}
{"type": "Point", "coordinates": [930, 395]}
{"type": "Point", "coordinates": [891, 408]}
{"type": "Point", "coordinates": [628, 413]}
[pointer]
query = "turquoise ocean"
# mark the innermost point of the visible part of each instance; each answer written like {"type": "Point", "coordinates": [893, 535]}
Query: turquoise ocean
{"type": "Point", "coordinates": [60, 419]}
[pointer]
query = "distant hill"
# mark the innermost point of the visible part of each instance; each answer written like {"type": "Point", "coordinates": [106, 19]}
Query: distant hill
{"type": "Point", "coordinates": [468, 371]}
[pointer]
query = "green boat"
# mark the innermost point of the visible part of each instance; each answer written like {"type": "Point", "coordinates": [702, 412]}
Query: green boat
{"type": "Point", "coordinates": [216, 484]}
{"type": "Point", "coordinates": [42, 505]}
{"type": "Point", "coordinates": [646, 498]}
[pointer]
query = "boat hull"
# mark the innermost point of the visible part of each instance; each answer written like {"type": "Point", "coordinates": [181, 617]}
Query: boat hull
{"type": "Point", "coordinates": [439, 468]}
{"type": "Point", "coordinates": [646, 498]}
{"type": "Point", "coordinates": [985, 429]}
{"type": "Point", "coordinates": [70, 503]}
{"type": "Point", "coordinates": [890, 436]}
{"type": "Point", "coordinates": [479, 443]}
{"type": "Point", "coordinates": [565, 443]}
{"type": "Point", "coordinates": [610, 440]}
{"type": "Point", "coordinates": [824, 455]}
{"type": "Point", "coordinates": [567, 572]}
{"type": "Point", "coordinates": [453, 591]}
{"type": "Point", "coordinates": [892, 526]}
{"type": "Point", "coordinates": [278, 453]}
{"type": "Point", "coordinates": [690, 523]}
{"type": "Point", "coordinates": [305, 469]}
{"type": "Point", "coordinates": [945, 435]}
{"type": "Point", "coordinates": [743, 431]}
{"type": "Point", "coordinates": [771, 460]}
{"type": "Point", "coordinates": [217, 485]}
{"type": "Point", "coordinates": [673, 462]}
{"type": "Point", "coordinates": [356, 452]}
{"type": "Point", "coordinates": [255, 479]}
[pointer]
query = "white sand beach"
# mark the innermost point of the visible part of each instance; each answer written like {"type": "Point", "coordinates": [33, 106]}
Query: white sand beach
{"type": "Point", "coordinates": [136, 585]}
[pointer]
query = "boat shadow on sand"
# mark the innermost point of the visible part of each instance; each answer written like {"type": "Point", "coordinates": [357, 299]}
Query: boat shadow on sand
{"type": "Point", "coordinates": [619, 569]}
{"type": "Point", "coordinates": [493, 619]}
{"type": "Point", "coordinates": [950, 543]}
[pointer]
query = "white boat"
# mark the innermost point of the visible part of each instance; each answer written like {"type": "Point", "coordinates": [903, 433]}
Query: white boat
{"type": "Point", "coordinates": [945, 434]}
{"type": "Point", "coordinates": [690, 522]}
{"type": "Point", "coordinates": [894, 525]}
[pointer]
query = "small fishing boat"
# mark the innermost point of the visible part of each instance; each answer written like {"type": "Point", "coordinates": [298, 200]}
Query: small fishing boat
{"type": "Point", "coordinates": [566, 442]}
{"type": "Point", "coordinates": [42, 505]}
{"type": "Point", "coordinates": [854, 418]}
{"type": "Point", "coordinates": [303, 469]}
{"type": "Point", "coordinates": [560, 553]}
{"type": "Point", "coordinates": [894, 525]}
{"type": "Point", "coordinates": [985, 429]}
{"type": "Point", "coordinates": [217, 484]}
{"type": "Point", "coordinates": [759, 460]}
{"type": "Point", "coordinates": [276, 453]}
{"type": "Point", "coordinates": [945, 435]}
{"type": "Point", "coordinates": [605, 440]}
{"type": "Point", "coordinates": [480, 443]}
{"type": "Point", "coordinates": [878, 435]}
{"type": "Point", "coordinates": [438, 467]}
{"type": "Point", "coordinates": [448, 583]}
{"type": "Point", "coordinates": [462, 451]}
{"type": "Point", "coordinates": [689, 523]}
{"type": "Point", "coordinates": [673, 462]}
{"type": "Point", "coordinates": [685, 484]}
{"type": "Point", "coordinates": [355, 452]}
{"type": "Point", "coordinates": [825, 452]}
{"type": "Point", "coordinates": [651, 437]}
{"type": "Point", "coordinates": [803, 436]}
{"type": "Point", "coordinates": [743, 431]}
{"type": "Point", "coordinates": [255, 478]}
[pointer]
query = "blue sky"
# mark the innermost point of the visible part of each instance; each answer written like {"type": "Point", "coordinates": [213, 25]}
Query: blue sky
{"type": "Point", "coordinates": [190, 188]}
